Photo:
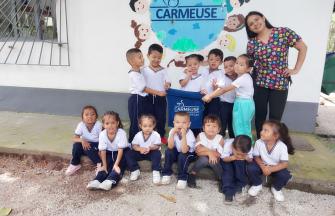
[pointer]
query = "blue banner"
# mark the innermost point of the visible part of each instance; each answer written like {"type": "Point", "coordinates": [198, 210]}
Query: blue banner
{"type": "Point", "coordinates": [190, 102]}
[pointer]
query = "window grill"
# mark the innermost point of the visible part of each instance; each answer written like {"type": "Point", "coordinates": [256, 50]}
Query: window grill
{"type": "Point", "coordinates": [34, 32]}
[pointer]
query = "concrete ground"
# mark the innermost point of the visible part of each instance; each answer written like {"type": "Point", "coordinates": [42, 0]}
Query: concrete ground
{"type": "Point", "coordinates": [51, 133]}
{"type": "Point", "coordinates": [35, 150]}
{"type": "Point", "coordinates": [40, 188]}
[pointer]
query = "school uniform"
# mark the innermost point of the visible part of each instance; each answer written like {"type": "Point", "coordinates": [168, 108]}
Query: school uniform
{"type": "Point", "coordinates": [157, 104]}
{"type": "Point", "coordinates": [154, 156]}
{"type": "Point", "coordinates": [226, 107]}
{"type": "Point", "coordinates": [244, 107]}
{"type": "Point", "coordinates": [271, 157]}
{"type": "Point", "coordinates": [203, 161]}
{"type": "Point", "coordinates": [111, 147]}
{"type": "Point", "coordinates": [137, 102]}
{"type": "Point", "coordinates": [213, 107]}
{"type": "Point", "coordinates": [234, 176]}
{"type": "Point", "coordinates": [91, 136]}
{"type": "Point", "coordinates": [176, 155]}
{"type": "Point", "coordinates": [194, 85]}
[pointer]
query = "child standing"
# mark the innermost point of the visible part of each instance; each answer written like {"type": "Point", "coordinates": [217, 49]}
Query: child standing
{"type": "Point", "coordinates": [192, 80]}
{"type": "Point", "coordinates": [181, 144]}
{"type": "Point", "coordinates": [156, 78]}
{"type": "Point", "coordinates": [227, 99]}
{"type": "Point", "coordinates": [244, 107]}
{"type": "Point", "coordinates": [138, 102]}
{"type": "Point", "coordinates": [86, 139]}
{"type": "Point", "coordinates": [271, 158]}
{"type": "Point", "coordinates": [145, 146]}
{"type": "Point", "coordinates": [209, 147]}
{"type": "Point", "coordinates": [211, 76]}
{"type": "Point", "coordinates": [236, 153]}
{"type": "Point", "coordinates": [112, 144]}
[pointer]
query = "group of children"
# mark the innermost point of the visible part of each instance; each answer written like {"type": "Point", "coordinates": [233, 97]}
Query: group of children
{"type": "Point", "coordinates": [229, 104]}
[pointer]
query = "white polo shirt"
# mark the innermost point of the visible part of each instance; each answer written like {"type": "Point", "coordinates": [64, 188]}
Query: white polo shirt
{"type": "Point", "coordinates": [190, 140]}
{"type": "Point", "coordinates": [194, 84]}
{"type": "Point", "coordinates": [244, 86]}
{"type": "Point", "coordinates": [228, 96]}
{"type": "Point", "coordinates": [213, 144]}
{"type": "Point", "coordinates": [273, 156]}
{"type": "Point", "coordinates": [209, 77]}
{"type": "Point", "coordinates": [153, 139]}
{"type": "Point", "coordinates": [90, 136]}
{"type": "Point", "coordinates": [120, 141]}
{"type": "Point", "coordinates": [155, 79]}
{"type": "Point", "coordinates": [228, 149]}
{"type": "Point", "coordinates": [137, 83]}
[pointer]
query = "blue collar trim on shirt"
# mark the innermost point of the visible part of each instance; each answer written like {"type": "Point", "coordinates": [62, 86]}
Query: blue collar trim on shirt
{"type": "Point", "coordinates": [161, 68]}
{"type": "Point", "coordinates": [91, 128]}
{"type": "Point", "coordinates": [180, 136]}
{"type": "Point", "coordinates": [193, 78]}
{"type": "Point", "coordinates": [271, 150]}
{"type": "Point", "coordinates": [112, 140]}
{"type": "Point", "coordinates": [134, 71]}
{"type": "Point", "coordinates": [147, 137]}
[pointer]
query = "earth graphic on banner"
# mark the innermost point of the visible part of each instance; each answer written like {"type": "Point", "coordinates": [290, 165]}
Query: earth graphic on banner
{"type": "Point", "coordinates": [187, 25]}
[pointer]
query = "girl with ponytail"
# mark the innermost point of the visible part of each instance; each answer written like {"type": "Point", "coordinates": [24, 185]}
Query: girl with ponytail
{"type": "Point", "coordinates": [271, 158]}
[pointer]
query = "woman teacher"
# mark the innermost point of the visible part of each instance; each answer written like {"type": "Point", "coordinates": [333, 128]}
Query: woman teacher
{"type": "Point", "coordinates": [269, 46]}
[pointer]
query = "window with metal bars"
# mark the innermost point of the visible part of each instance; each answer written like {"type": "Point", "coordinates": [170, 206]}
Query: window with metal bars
{"type": "Point", "coordinates": [34, 32]}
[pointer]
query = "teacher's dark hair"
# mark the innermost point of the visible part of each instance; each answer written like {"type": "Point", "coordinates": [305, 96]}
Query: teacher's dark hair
{"type": "Point", "coordinates": [250, 33]}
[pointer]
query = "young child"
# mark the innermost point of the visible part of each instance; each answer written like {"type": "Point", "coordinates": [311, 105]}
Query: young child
{"type": "Point", "coordinates": [244, 107]}
{"type": "Point", "coordinates": [145, 146]}
{"type": "Point", "coordinates": [156, 78]}
{"type": "Point", "coordinates": [271, 158]}
{"type": "Point", "coordinates": [181, 144]}
{"type": "Point", "coordinates": [86, 139]}
{"type": "Point", "coordinates": [227, 99]}
{"type": "Point", "coordinates": [209, 148]}
{"type": "Point", "coordinates": [112, 144]}
{"type": "Point", "coordinates": [211, 76]}
{"type": "Point", "coordinates": [236, 153]}
{"type": "Point", "coordinates": [192, 80]}
{"type": "Point", "coordinates": [138, 102]}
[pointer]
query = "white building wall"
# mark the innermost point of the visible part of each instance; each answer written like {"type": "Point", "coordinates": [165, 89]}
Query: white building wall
{"type": "Point", "coordinates": [100, 33]}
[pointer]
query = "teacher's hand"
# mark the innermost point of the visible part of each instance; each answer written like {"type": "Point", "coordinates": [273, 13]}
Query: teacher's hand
{"type": "Point", "coordinates": [290, 72]}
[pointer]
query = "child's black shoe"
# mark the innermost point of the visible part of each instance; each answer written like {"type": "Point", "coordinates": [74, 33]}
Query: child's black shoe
{"type": "Point", "coordinates": [228, 199]}
{"type": "Point", "coordinates": [239, 190]}
{"type": "Point", "coordinates": [220, 187]}
{"type": "Point", "coordinates": [191, 182]}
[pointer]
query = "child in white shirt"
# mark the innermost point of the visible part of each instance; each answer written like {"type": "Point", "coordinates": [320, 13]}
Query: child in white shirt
{"type": "Point", "coordinates": [211, 77]}
{"type": "Point", "coordinates": [180, 149]}
{"type": "Point", "coordinates": [192, 80]}
{"type": "Point", "coordinates": [227, 99]}
{"type": "Point", "coordinates": [271, 158]}
{"type": "Point", "coordinates": [156, 78]}
{"type": "Point", "coordinates": [244, 107]}
{"type": "Point", "coordinates": [86, 139]}
{"type": "Point", "coordinates": [145, 146]}
{"type": "Point", "coordinates": [138, 102]}
{"type": "Point", "coordinates": [209, 148]}
{"type": "Point", "coordinates": [112, 145]}
{"type": "Point", "coordinates": [237, 153]}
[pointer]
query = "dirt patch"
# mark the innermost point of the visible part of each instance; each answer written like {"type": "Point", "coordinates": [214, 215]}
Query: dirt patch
{"type": "Point", "coordinates": [249, 201]}
{"type": "Point", "coordinates": [33, 186]}
{"type": "Point", "coordinates": [34, 177]}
